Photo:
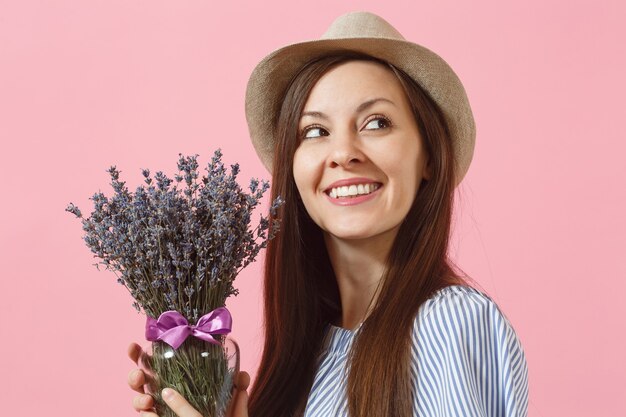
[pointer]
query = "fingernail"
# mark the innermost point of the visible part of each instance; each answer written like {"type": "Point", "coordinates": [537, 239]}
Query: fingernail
{"type": "Point", "coordinates": [167, 393]}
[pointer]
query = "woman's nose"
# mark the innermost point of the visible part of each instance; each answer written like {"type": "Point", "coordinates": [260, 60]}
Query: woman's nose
{"type": "Point", "coordinates": [345, 150]}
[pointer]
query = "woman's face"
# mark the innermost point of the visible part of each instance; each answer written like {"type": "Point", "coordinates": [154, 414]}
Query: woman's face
{"type": "Point", "coordinates": [361, 158]}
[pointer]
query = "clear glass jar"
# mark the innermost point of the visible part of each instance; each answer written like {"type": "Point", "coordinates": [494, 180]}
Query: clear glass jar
{"type": "Point", "coordinates": [202, 372]}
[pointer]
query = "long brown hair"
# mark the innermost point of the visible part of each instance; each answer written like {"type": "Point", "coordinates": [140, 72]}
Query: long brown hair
{"type": "Point", "coordinates": [300, 290]}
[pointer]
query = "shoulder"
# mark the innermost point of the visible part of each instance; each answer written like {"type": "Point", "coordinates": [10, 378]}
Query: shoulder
{"type": "Point", "coordinates": [458, 308]}
{"type": "Point", "coordinates": [460, 316]}
{"type": "Point", "coordinates": [455, 296]}
{"type": "Point", "coordinates": [463, 341]}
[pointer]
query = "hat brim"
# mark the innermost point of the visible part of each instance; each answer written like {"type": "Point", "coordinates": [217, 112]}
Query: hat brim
{"type": "Point", "coordinates": [271, 77]}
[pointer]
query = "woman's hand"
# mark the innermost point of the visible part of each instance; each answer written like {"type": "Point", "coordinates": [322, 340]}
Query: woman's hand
{"type": "Point", "coordinates": [143, 402]}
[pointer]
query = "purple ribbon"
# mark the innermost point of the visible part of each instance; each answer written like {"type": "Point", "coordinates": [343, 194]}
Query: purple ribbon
{"type": "Point", "coordinates": [172, 328]}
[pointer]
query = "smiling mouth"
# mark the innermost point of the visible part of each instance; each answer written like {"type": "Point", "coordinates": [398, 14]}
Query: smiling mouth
{"type": "Point", "coordinates": [355, 190]}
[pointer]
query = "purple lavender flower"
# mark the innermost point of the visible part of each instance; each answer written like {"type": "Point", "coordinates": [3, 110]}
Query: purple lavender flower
{"type": "Point", "coordinates": [179, 248]}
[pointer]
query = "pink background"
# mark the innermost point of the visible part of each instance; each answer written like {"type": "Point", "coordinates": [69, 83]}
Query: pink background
{"type": "Point", "coordinates": [541, 225]}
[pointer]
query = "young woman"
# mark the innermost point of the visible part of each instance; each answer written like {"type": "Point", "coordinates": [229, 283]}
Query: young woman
{"type": "Point", "coordinates": [367, 136]}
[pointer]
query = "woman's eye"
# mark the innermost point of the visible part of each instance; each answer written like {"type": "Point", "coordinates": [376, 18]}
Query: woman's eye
{"type": "Point", "coordinates": [314, 132]}
{"type": "Point", "coordinates": [377, 123]}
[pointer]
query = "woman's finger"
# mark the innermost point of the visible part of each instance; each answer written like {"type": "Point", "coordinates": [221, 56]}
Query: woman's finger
{"type": "Point", "coordinates": [242, 381]}
{"type": "Point", "coordinates": [178, 404]}
{"type": "Point", "coordinates": [136, 380]}
{"type": "Point", "coordinates": [143, 402]}
{"type": "Point", "coordinates": [238, 406]}
{"type": "Point", "coordinates": [139, 356]}
{"type": "Point", "coordinates": [134, 352]}
{"type": "Point", "coordinates": [148, 414]}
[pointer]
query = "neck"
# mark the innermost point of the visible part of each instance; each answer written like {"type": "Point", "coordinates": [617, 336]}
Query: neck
{"type": "Point", "coordinates": [359, 265]}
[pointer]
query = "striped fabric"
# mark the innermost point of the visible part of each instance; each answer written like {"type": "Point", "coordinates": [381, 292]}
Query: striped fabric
{"type": "Point", "coordinates": [466, 361]}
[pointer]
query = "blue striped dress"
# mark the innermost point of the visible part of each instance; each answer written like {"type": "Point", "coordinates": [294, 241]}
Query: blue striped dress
{"type": "Point", "coordinates": [466, 361]}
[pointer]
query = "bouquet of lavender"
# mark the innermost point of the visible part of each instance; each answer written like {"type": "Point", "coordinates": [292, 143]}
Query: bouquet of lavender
{"type": "Point", "coordinates": [177, 251]}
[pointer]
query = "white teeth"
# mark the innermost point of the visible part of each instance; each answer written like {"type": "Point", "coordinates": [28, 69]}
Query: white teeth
{"type": "Point", "coordinates": [352, 190]}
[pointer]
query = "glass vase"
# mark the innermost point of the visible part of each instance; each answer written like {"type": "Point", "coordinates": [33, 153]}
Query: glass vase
{"type": "Point", "coordinates": [202, 372]}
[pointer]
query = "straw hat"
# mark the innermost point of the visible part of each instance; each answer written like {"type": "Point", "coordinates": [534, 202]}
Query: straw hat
{"type": "Point", "coordinates": [369, 34]}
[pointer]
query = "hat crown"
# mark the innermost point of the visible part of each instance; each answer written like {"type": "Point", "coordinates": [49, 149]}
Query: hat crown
{"type": "Point", "coordinates": [361, 25]}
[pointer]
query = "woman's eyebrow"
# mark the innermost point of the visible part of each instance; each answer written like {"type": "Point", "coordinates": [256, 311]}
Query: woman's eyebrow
{"type": "Point", "coordinates": [369, 103]}
{"type": "Point", "coordinates": [318, 114]}
{"type": "Point", "coordinates": [361, 107]}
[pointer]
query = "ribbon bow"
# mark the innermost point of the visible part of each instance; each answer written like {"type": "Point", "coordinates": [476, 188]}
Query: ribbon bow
{"type": "Point", "coordinates": [172, 328]}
